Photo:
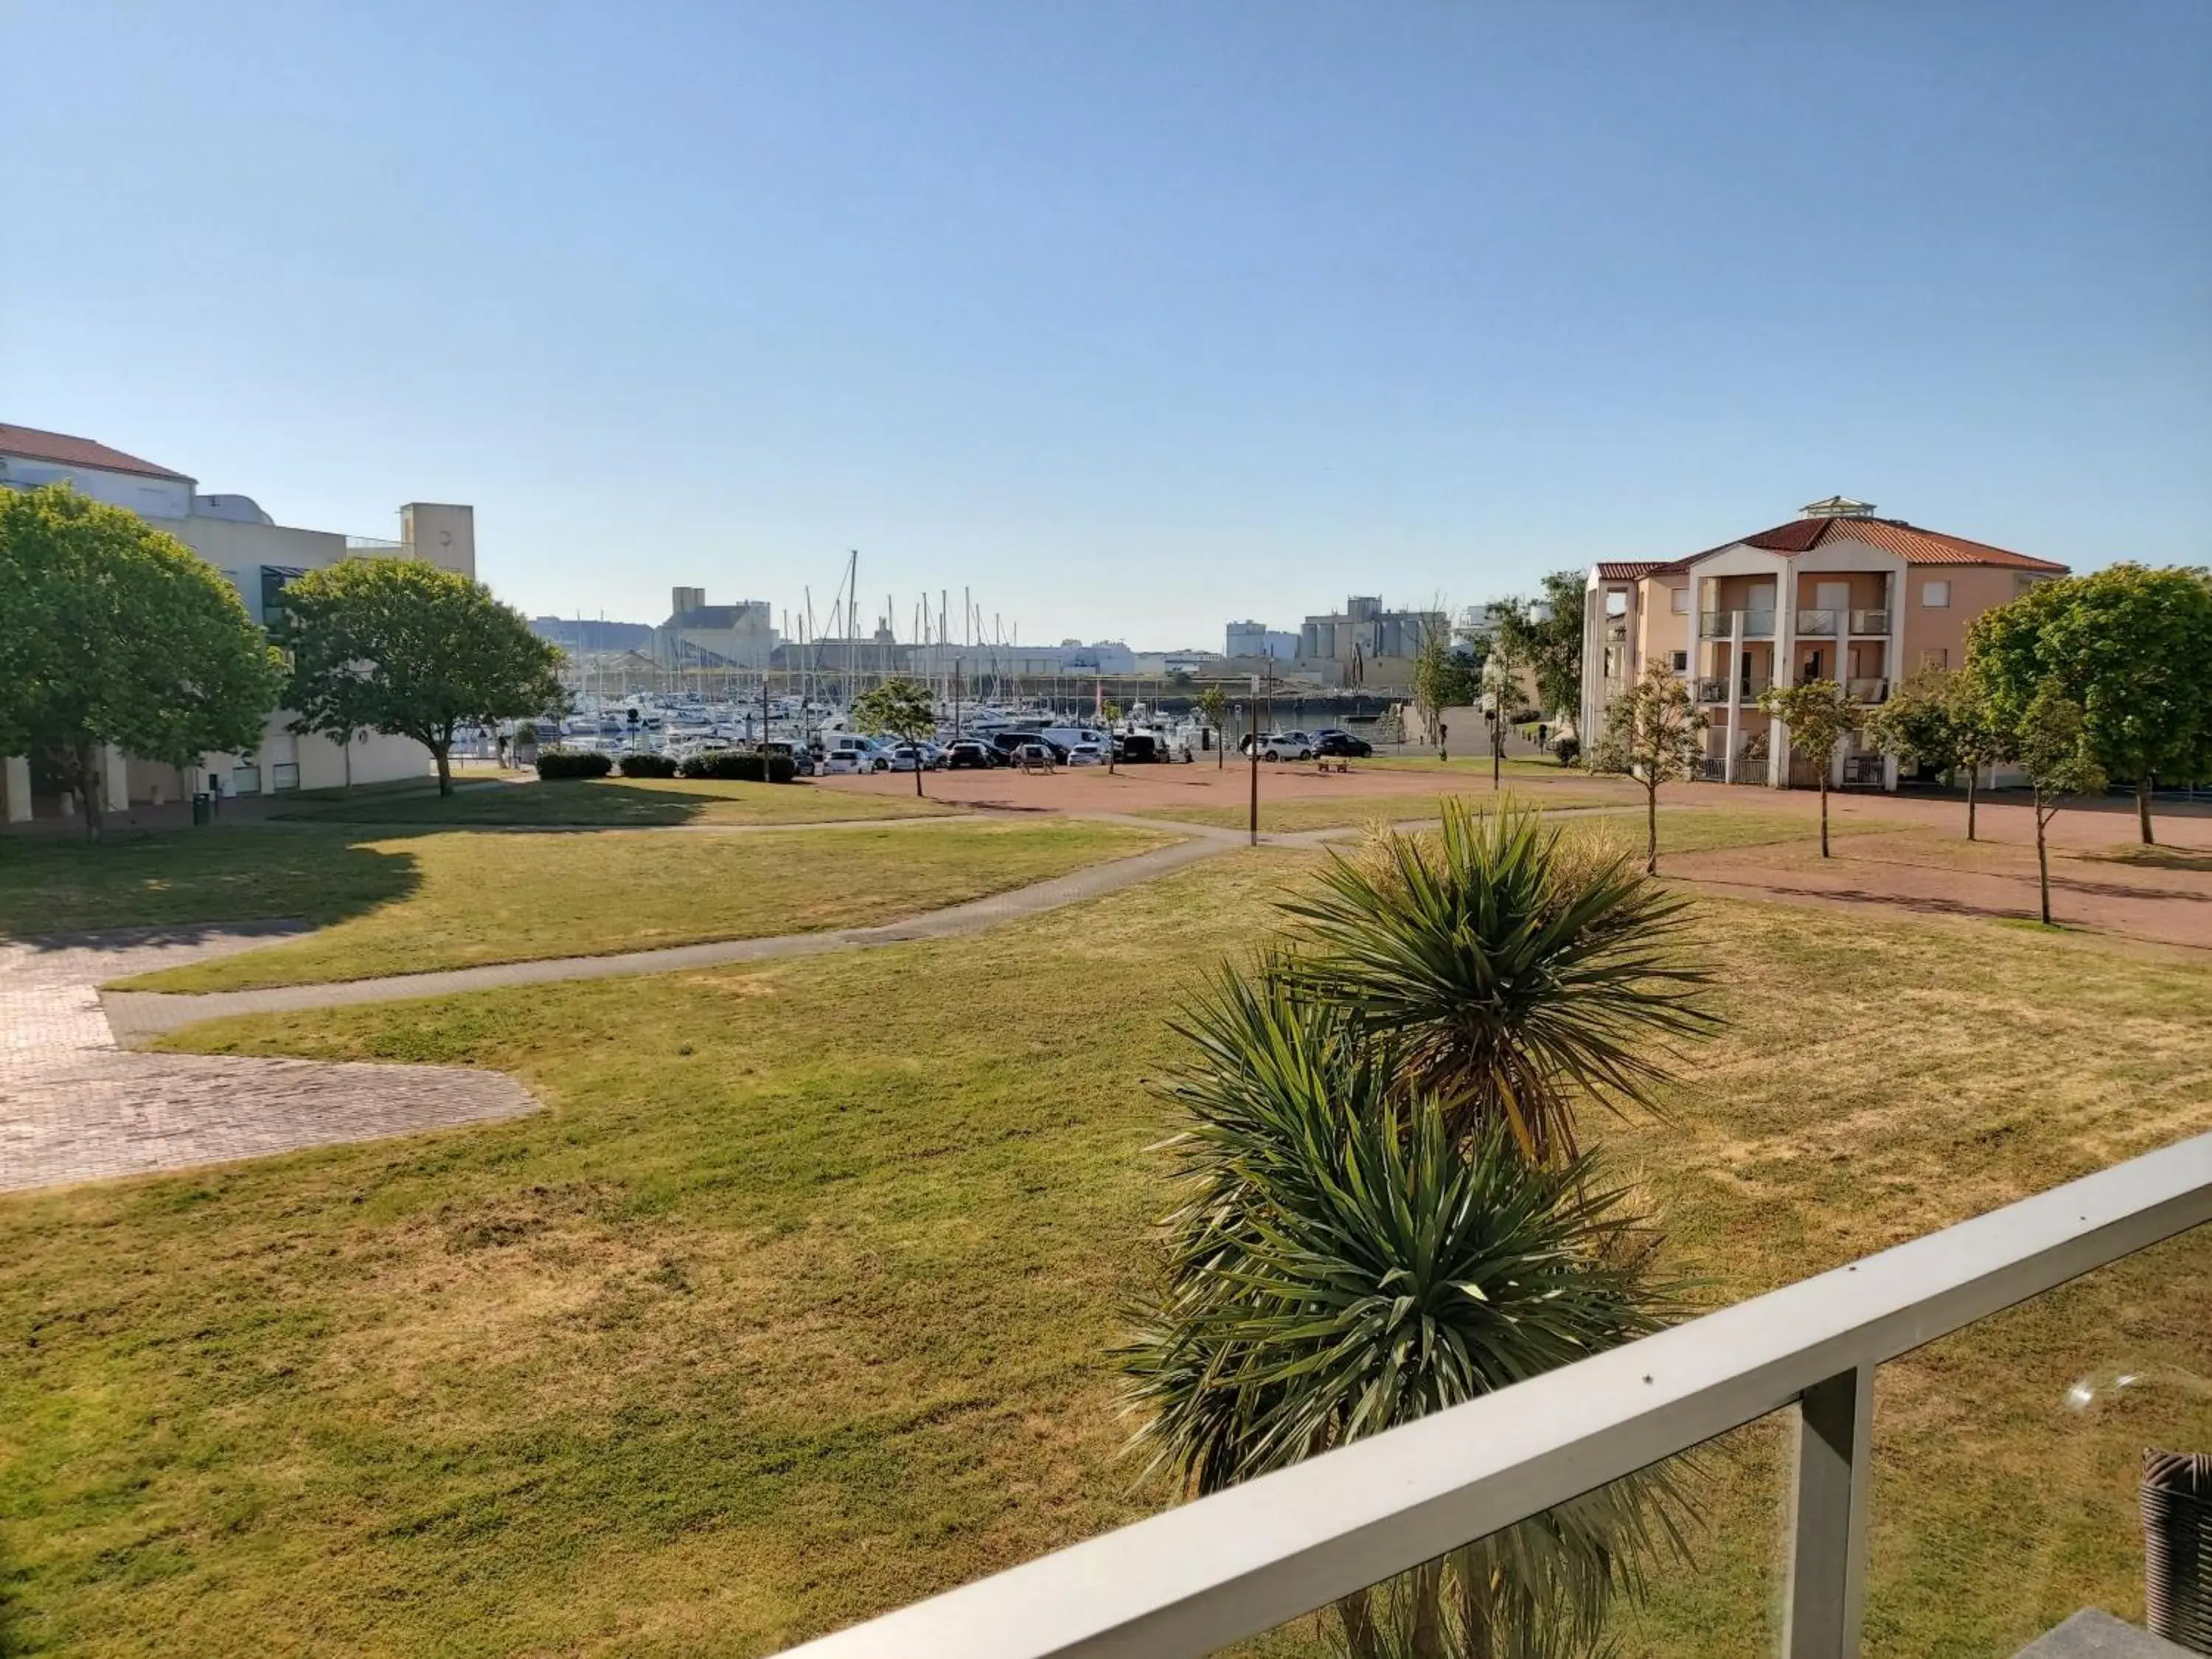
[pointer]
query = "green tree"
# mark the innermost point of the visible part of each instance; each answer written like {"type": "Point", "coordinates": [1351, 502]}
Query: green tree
{"type": "Point", "coordinates": [1818, 715]}
{"type": "Point", "coordinates": [115, 633]}
{"type": "Point", "coordinates": [401, 645]}
{"type": "Point", "coordinates": [1940, 718]}
{"type": "Point", "coordinates": [2132, 647]}
{"type": "Point", "coordinates": [1213, 704]}
{"type": "Point", "coordinates": [1443, 678]}
{"type": "Point", "coordinates": [1545, 636]}
{"type": "Point", "coordinates": [1110, 711]}
{"type": "Point", "coordinates": [901, 710]}
{"type": "Point", "coordinates": [1517, 979]}
{"type": "Point", "coordinates": [1355, 1245]}
{"type": "Point", "coordinates": [2055, 750]}
{"type": "Point", "coordinates": [1654, 732]}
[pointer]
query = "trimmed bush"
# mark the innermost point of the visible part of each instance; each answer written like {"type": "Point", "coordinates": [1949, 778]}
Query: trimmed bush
{"type": "Point", "coordinates": [1569, 748]}
{"type": "Point", "coordinates": [643, 765]}
{"type": "Point", "coordinates": [572, 763]}
{"type": "Point", "coordinates": [739, 766]}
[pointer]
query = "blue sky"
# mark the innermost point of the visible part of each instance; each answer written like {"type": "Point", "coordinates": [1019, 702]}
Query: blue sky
{"type": "Point", "coordinates": [1133, 317]}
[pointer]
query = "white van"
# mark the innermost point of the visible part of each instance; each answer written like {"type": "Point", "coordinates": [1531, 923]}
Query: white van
{"type": "Point", "coordinates": [850, 752]}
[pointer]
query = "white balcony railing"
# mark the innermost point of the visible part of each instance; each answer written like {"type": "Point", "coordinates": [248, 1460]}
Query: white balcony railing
{"type": "Point", "coordinates": [1720, 624]}
{"type": "Point", "coordinates": [1241, 1562]}
{"type": "Point", "coordinates": [1869, 622]}
{"type": "Point", "coordinates": [1817, 624]}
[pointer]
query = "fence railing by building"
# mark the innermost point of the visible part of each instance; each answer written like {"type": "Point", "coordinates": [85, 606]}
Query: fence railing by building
{"type": "Point", "coordinates": [1243, 1561]}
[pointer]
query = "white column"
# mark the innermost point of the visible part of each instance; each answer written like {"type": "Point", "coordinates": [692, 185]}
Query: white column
{"type": "Point", "coordinates": [1734, 693]}
{"type": "Point", "coordinates": [15, 789]}
{"type": "Point", "coordinates": [1783, 654]}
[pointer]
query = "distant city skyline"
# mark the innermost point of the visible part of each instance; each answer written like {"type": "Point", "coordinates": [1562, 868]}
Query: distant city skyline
{"type": "Point", "coordinates": [1134, 319]}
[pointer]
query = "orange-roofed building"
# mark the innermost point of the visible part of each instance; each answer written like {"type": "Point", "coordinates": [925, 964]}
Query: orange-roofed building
{"type": "Point", "coordinates": [1835, 594]}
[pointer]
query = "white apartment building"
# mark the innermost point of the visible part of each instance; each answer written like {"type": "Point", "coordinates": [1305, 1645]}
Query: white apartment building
{"type": "Point", "coordinates": [258, 556]}
{"type": "Point", "coordinates": [1835, 594]}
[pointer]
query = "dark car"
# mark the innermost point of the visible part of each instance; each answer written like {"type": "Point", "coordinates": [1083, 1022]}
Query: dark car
{"type": "Point", "coordinates": [1136, 748]}
{"type": "Point", "coordinates": [1334, 740]}
{"type": "Point", "coordinates": [972, 752]}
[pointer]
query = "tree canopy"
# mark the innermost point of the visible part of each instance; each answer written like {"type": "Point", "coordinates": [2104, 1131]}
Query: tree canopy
{"type": "Point", "coordinates": [1444, 679]}
{"type": "Point", "coordinates": [1654, 732]}
{"type": "Point", "coordinates": [2059, 756]}
{"type": "Point", "coordinates": [898, 708]}
{"type": "Point", "coordinates": [1819, 716]}
{"type": "Point", "coordinates": [401, 645]}
{"type": "Point", "coordinates": [115, 632]}
{"type": "Point", "coordinates": [1546, 637]}
{"type": "Point", "coordinates": [2132, 647]}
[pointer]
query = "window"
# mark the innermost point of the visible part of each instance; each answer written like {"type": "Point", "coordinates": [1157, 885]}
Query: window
{"type": "Point", "coordinates": [1935, 656]}
{"type": "Point", "coordinates": [284, 774]}
{"type": "Point", "coordinates": [1937, 596]}
{"type": "Point", "coordinates": [245, 780]}
{"type": "Point", "coordinates": [1681, 658]}
{"type": "Point", "coordinates": [1678, 601]}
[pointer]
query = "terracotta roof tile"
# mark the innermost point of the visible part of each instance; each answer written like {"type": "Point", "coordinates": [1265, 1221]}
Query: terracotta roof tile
{"type": "Point", "coordinates": [33, 445]}
{"type": "Point", "coordinates": [1628, 571]}
{"type": "Point", "coordinates": [1909, 541]}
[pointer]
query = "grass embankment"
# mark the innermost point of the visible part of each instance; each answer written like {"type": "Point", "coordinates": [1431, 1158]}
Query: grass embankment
{"type": "Point", "coordinates": [614, 803]}
{"type": "Point", "coordinates": [796, 1305]}
{"type": "Point", "coordinates": [480, 899]}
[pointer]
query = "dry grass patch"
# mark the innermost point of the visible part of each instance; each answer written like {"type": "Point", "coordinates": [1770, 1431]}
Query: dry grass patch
{"type": "Point", "coordinates": [614, 803]}
{"type": "Point", "coordinates": [482, 898]}
{"type": "Point", "coordinates": [796, 1303]}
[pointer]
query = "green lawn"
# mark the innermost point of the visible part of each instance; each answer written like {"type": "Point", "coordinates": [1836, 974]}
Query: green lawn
{"type": "Point", "coordinates": [619, 802]}
{"type": "Point", "coordinates": [796, 1303]}
{"type": "Point", "coordinates": [477, 898]}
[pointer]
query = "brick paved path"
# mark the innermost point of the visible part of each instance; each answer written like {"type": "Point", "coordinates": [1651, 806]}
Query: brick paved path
{"type": "Point", "coordinates": [74, 1106]}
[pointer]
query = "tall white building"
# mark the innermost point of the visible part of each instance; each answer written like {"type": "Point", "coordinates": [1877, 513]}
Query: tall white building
{"type": "Point", "coordinates": [258, 556]}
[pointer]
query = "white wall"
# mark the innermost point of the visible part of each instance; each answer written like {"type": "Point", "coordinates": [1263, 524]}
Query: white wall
{"type": "Point", "coordinates": [166, 498]}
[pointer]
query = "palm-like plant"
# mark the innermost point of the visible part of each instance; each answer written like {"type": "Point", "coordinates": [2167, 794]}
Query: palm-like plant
{"type": "Point", "coordinates": [1518, 974]}
{"type": "Point", "coordinates": [1345, 1259]}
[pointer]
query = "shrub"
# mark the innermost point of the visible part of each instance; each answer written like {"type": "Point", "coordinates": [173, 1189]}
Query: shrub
{"type": "Point", "coordinates": [1569, 748]}
{"type": "Point", "coordinates": [572, 763]}
{"type": "Point", "coordinates": [740, 766]}
{"type": "Point", "coordinates": [643, 765]}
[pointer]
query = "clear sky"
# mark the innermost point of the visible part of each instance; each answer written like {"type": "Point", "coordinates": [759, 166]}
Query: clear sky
{"type": "Point", "coordinates": [1133, 317]}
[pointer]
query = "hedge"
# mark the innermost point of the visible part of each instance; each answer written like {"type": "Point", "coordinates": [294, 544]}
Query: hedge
{"type": "Point", "coordinates": [739, 765]}
{"type": "Point", "coordinates": [643, 765]}
{"type": "Point", "coordinates": [572, 763]}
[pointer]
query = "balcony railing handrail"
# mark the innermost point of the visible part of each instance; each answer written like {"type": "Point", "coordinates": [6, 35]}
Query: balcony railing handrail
{"type": "Point", "coordinates": [1240, 1561]}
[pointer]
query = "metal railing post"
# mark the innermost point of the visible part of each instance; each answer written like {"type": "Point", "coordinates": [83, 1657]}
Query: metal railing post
{"type": "Point", "coordinates": [1827, 1544]}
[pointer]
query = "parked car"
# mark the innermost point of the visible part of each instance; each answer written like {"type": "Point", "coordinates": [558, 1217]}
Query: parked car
{"type": "Point", "coordinates": [849, 754]}
{"type": "Point", "coordinates": [1087, 752]}
{"type": "Point", "coordinates": [1137, 749]}
{"type": "Point", "coordinates": [1336, 741]}
{"type": "Point", "coordinates": [972, 752]}
{"type": "Point", "coordinates": [1286, 746]}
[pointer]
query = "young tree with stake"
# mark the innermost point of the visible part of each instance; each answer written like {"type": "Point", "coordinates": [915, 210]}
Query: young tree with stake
{"type": "Point", "coordinates": [898, 708]}
{"type": "Point", "coordinates": [401, 645]}
{"type": "Point", "coordinates": [1654, 733]}
{"type": "Point", "coordinates": [1940, 718]}
{"type": "Point", "coordinates": [2055, 750]}
{"type": "Point", "coordinates": [1213, 704]}
{"type": "Point", "coordinates": [1819, 716]}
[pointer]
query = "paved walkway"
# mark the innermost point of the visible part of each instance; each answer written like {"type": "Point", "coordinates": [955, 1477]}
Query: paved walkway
{"type": "Point", "coordinates": [136, 1015]}
{"type": "Point", "coordinates": [74, 1106]}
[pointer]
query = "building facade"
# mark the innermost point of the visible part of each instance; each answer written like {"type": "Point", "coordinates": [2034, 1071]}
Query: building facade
{"type": "Point", "coordinates": [700, 634]}
{"type": "Point", "coordinates": [1254, 638]}
{"type": "Point", "coordinates": [259, 557]}
{"type": "Point", "coordinates": [1837, 594]}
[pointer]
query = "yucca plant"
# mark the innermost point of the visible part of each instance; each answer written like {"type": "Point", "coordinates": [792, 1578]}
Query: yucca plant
{"type": "Point", "coordinates": [1347, 1259]}
{"type": "Point", "coordinates": [1518, 973]}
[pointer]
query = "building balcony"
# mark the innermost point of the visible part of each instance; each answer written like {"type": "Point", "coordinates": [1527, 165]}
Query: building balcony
{"type": "Point", "coordinates": [1870, 622]}
{"type": "Point", "coordinates": [1240, 1562]}
{"type": "Point", "coordinates": [1720, 624]}
{"type": "Point", "coordinates": [1817, 624]}
{"type": "Point", "coordinates": [1867, 690]}
{"type": "Point", "coordinates": [1713, 688]}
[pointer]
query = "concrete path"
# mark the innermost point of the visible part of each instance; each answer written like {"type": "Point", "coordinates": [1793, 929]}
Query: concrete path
{"type": "Point", "coordinates": [74, 1106]}
{"type": "Point", "coordinates": [137, 1014]}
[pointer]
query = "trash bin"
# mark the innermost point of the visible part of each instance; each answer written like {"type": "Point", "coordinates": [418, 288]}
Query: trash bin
{"type": "Point", "coordinates": [202, 808]}
{"type": "Point", "coordinates": [2177, 1512]}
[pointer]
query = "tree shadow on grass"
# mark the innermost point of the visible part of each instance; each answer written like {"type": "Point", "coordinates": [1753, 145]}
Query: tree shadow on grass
{"type": "Point", "coordinates": [604, 802]}
{"type": "Point", "coordinates": [169, 884]}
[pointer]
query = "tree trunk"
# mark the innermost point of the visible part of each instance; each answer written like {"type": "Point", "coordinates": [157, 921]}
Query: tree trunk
{"type": "Point", "coordinates": [1973, 776]}
{"type": "Point", "coordinates": [1497, 756]}
{"type": "Point", "coordinates": [443, 754]}
{"type": "Point", "coordinates": [1652, 828]}
{"type": "Point", "coordinates": [1824, 815]}
{"type": "Point", "coordinates": [2042, 864]}
{"type": "Point", "coordinates": [2142, 808]}
{"type": "Point", "coordinates": [917, 769]}
{"type": "Point", "coordinates": [87, 789]}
